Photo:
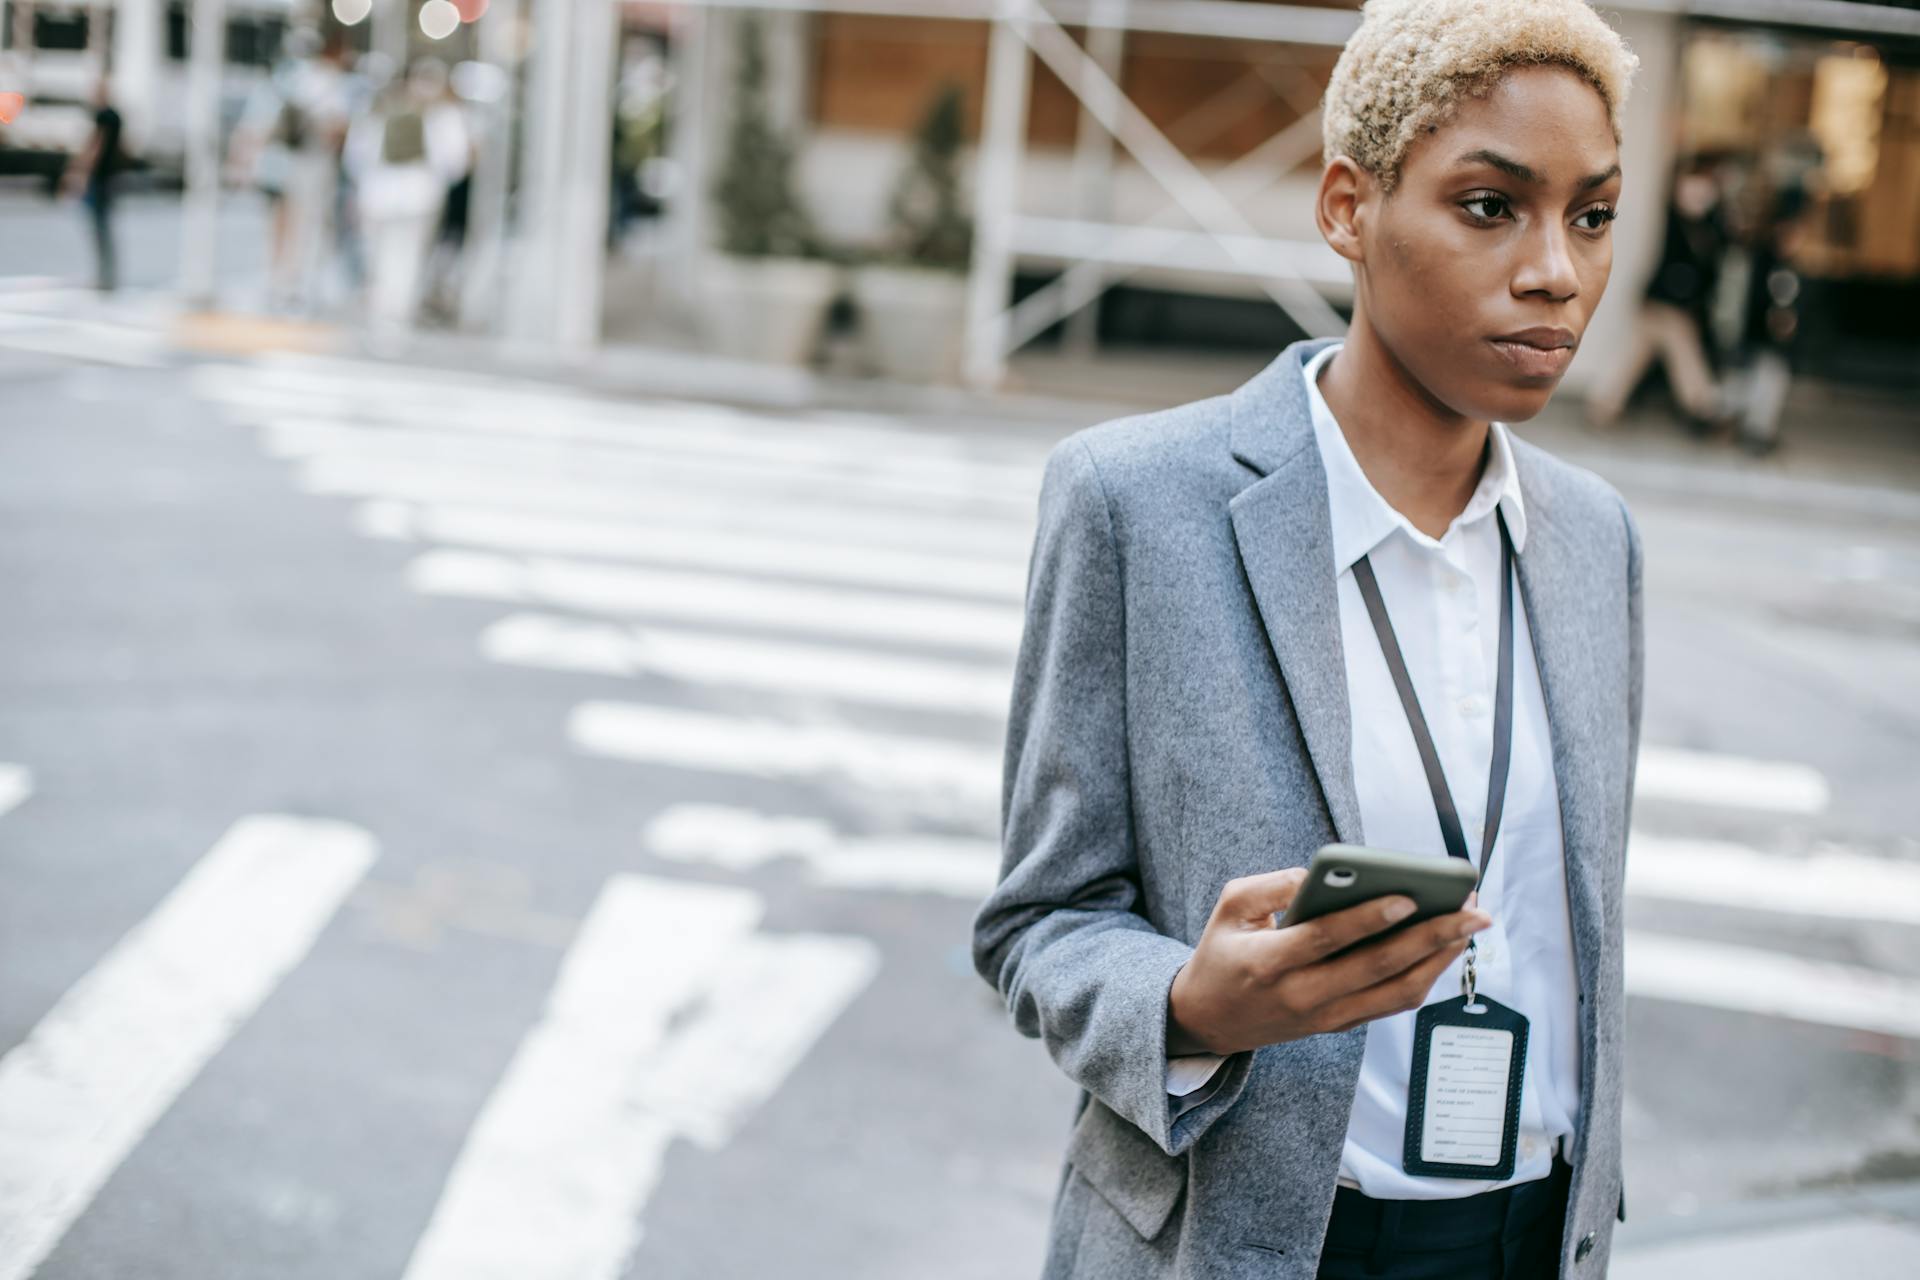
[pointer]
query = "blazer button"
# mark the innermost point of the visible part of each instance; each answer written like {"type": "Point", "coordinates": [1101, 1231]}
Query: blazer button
{"type": "Point", "coordinates": [1585, 1247]}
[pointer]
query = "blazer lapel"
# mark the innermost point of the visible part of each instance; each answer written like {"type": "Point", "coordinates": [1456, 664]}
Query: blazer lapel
{"type": "Point", "coordinates": [1284, 534]}
{"type": "Point", "coordinates": [1558, 618]}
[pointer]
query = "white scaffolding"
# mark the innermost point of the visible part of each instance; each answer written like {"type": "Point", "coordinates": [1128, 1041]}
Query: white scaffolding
{"type": "Point", "coordinates": [1203, 225]}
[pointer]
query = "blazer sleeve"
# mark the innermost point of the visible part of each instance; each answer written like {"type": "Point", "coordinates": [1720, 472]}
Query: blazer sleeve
{"type": "Point", "coordinates": [1636, 656]}
{"type": "Point", "coordinates": [1062, 936]}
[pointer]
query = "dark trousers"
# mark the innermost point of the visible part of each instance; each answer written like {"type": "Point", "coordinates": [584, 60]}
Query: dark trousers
{"type": "Point", "coordinates": [1510, 1234]}
{"type": "Point", "coordinates": [99, 202]}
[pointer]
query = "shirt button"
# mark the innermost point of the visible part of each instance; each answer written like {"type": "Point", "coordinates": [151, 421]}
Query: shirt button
{"type": "Point", "coordinates": [1528, 1147]}
{"type": "Point", "coordinates": [1473, 706]}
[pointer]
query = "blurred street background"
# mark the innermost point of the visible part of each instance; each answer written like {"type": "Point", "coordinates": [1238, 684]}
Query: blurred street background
{"type": "Point", "coordinates": [514, 518]}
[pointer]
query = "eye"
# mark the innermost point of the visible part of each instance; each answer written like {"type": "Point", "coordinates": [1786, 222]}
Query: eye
{"type": "Point", "coordinates": [1494, 205]}
{"type": "Point", "coordinates": [1602, 215]}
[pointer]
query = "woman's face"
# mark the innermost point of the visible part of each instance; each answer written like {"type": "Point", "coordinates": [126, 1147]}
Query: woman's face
{"type": "Point", "coordinates": [1482, 268]}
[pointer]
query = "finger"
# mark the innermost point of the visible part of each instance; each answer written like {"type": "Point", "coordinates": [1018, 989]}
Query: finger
{"type": "Point", "coordinates": [1402, 992]}
{"type": "Point", "coordinates": [1253, 901]}
{"type": "Point", "coordinates": [1303, 944]}
{"type": "Point", "coordinates": [1381, 960]}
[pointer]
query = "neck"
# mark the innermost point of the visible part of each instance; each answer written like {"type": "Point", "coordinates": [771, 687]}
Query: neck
{"type": "Point", "coordinates": [1421, 456]}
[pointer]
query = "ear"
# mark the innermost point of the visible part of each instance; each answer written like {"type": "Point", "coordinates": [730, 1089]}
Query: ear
{"type": "Point", "coordinates": [1343, 205]}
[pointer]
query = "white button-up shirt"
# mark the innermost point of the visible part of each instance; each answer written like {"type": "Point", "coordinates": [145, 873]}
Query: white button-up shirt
{"type": "Point", "coordinates": [1444, 599]}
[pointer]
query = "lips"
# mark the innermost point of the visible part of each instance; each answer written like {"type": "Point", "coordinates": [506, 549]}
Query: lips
{"type": "Point", "coordinates": [1537, 353]}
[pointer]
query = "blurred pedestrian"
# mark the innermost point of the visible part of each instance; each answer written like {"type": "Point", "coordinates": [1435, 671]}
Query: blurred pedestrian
{"type": "Point", "coordinates": [1673, 320]}
{"type": "Point", "coordinates": [446, 262]}
{"type": "Point", "coordinates": [1771, 322]}
{"type": "Point", "coordinates": [404, 156]}
{"type": "Point", "coordinates": [289, 141]}
{"type": "Point", "coordinates": [92, 177]}
{"type": "Point", "coordinates": [1210, 688]}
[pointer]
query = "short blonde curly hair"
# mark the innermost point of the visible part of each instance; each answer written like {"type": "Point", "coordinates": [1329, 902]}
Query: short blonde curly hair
{"type": "Point", "coordinates": [1412, 61]}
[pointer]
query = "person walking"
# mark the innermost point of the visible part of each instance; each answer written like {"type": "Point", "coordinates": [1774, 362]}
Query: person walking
{"type": "Point", "coordinates": [1672, 324]}
{"type": "Point", "coordinates": [1346, 603]}
{"type": "Point", "coordinates": [1770, 321]}
{"type": "Point", "coordinates": [92, 178]}
{"type": "Point", "coordinates": [289, 141]}
{"type": "Point", "coordinates": [404, 155]}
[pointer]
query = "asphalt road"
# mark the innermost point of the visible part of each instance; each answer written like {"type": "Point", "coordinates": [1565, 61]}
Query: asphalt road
{"type": "Point", "coordinates": [449, 816]}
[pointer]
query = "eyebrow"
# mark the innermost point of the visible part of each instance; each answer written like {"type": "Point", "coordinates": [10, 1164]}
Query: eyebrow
{"type": "Point", "coordinates": [1526, 174]}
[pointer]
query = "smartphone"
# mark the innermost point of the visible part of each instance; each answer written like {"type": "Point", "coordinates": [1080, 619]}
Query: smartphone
{"type": "Point", "coordinates": [1345, 875]}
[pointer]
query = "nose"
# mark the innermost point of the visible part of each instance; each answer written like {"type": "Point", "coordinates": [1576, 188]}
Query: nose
{"type": "Point", "coordinates": [1546, 266]}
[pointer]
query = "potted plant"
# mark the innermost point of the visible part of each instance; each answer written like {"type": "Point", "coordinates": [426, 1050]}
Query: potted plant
{"type": "Point", "coordinates": [766, 293]}
{"type": "Point", "coordinates": [912, 297]}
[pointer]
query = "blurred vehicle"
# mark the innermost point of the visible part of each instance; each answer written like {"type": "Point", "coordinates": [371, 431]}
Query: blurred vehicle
{"type": "Point", "coordinates": [53, 50]}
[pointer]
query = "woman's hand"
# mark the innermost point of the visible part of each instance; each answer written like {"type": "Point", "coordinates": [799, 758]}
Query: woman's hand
{"type": "Point", "coordinates": [1249, 984]}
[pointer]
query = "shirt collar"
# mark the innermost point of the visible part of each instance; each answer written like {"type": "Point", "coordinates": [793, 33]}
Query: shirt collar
{"type": "Point", "coordinates": [1362, 519]}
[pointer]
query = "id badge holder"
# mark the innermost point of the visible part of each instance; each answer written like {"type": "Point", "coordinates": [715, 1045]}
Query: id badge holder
{"type": "Point", "coordinates": [1463, 1097]}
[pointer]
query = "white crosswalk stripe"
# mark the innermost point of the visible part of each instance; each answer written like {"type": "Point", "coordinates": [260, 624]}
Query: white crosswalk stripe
{"type": "Point", "coordinates": [1771, 984]}
{"type": "Point", "coordinates": [569, 1147]}
{"type": "Point", "coordinates": [1704, 778]}
{"type": "Point", "coordinates": [716, 549]}
{"type": "Point", "coordinates": [728, 661]}
{"type": "Point", "coordinates": [409, 488]}
{"type": "Point", "coordinates": [16, 784]}
{"type": "Point", "coordinates": [717, 600]}
{"type": "Point", "coordinates": [302, 438]}
{"type": "Point", "coordinates": [120, 1046]}
{"type": "Point", "coordinates": [743, 840]}
{"type": "Point", "coordinates": [945, 777]}
{"type": "Point", "coordinates": [1832, 883]}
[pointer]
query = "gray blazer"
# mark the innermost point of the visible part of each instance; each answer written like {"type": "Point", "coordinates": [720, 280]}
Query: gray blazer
{"type": "Point", "coordinates": [1179, 719]}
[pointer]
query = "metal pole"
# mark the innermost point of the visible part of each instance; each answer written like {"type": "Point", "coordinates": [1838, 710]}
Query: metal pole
{"type": "Point", "coordinates": [200, 209]}
{"type": "Point", "coordinates": [582, 249]}
{"type": "Point", "coordinates": [996, 192]}
{"type": "Point", "coordinates": [136, 65]}
{"type": "Point", "coordinates": [543, 165]}
{"type": "Point", "coordinates": [481, 286]}
{"type": "Point", "coordinates": [692, 126]}
{"type": "Point", "coordinates": [1093, 158]}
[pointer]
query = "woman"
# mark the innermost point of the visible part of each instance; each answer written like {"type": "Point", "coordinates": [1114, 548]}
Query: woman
{"type": "Point", "coordinates": [1252, 624]}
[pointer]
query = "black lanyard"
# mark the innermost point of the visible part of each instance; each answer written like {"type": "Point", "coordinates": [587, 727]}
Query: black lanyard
{"type": "Point", "coordinates": [1502, 712]}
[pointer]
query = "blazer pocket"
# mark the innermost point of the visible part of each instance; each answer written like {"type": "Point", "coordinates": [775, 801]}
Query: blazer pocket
{"type": "Point", "coordinates": [1131, 1172]}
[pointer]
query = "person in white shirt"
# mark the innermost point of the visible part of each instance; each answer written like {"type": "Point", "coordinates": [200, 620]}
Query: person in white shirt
{"type": "Point", "coordinates": [1344, 603]}
{"type": "Point", "coordinates": [403, 156]}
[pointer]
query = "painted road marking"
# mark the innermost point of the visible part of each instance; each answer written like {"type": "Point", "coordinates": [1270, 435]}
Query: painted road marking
{"type": "Point", "coordinates": [788, 555]}
{"type": "Point", "coordinates": [958, 779]}
{"type": "Point", "coordinates": [85, 340]}
{"type": "Point", "coordinates": [742, 840]}
{"type": "Point", "coordinates": [408, 487]}
{"type": "Point", "coordinates": [1771, 985]}
{"type": "Point", "coordinates": [375, 393]}
{"type": "Point", "coordinates": [1700, 777]}
{"type": "Point", "coordinates": [568, 1148]}
{"type": "Point", "coordinates": [728, 661]}
{"type": "Point", "coordinates": [696, 432]}
{"type": "Point", "coordinates": [1831, 883]}
{"type": "Point", "coordinates": [296, 438]}
{"type": "Point", "coordinates": [16, 784]}
{"type": "Point", "coordinates": [110, 1058]}
{"type": "Point", "coordinates": [626, 591]}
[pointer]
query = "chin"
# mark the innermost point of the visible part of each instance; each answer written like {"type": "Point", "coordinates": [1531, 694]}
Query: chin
{"type": "Point", "coordinates": [1515, 404]}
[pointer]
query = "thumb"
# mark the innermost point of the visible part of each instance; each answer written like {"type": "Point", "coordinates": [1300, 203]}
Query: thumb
{"type": "Point", "coordinates": [1251, 902]}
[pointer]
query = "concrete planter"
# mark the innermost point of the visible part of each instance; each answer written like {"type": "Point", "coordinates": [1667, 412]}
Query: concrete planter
{"type": "Point", "coordinates": [913, 321]}
{"type": "Point", "coordinates": [768, 310]}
